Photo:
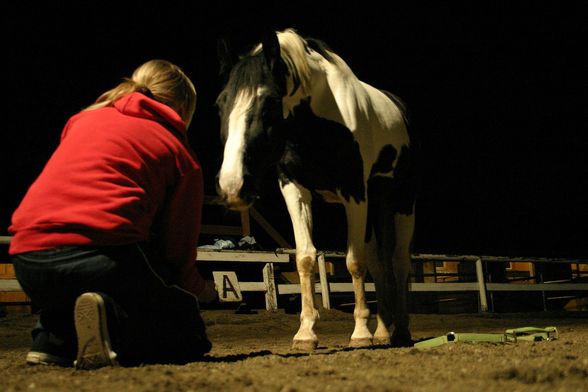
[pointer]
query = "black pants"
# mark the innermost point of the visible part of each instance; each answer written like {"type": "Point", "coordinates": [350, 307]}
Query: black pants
{"type": "Point", "coordinates": [150, 320]}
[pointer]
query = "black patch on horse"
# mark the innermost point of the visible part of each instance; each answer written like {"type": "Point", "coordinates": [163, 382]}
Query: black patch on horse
{"type": "Point", "coordinates": [390, 195]}
{"type": "Point", "coordinates": [321, 155]}
{"type": "Point", "coordinates": [385, 160]}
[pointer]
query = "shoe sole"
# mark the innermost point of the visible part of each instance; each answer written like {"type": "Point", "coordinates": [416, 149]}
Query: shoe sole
{"type": "Point", "coordinates": [40, 358]}
{"type": "Point", "coordinates": [94, 348]}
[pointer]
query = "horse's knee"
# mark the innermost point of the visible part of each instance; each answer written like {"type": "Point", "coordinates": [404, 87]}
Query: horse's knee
{"type": "Point", "coordinates": [305, 262]}
{"type": "Point", "coordinates": [356, 267]}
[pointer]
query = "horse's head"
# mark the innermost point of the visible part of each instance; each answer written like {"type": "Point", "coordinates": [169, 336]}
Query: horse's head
{"type": "Point", "coordinates": [251, 115]}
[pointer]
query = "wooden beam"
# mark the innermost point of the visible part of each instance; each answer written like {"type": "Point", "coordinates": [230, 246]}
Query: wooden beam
{"type": "Point", "coordinates": [269, 228]}
{"type": "Point", "coordinates": [229, 255]}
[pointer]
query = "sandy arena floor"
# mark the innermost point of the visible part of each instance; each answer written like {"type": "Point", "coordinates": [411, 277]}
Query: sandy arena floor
{"type": "Point", "coordinates": [252, 353]}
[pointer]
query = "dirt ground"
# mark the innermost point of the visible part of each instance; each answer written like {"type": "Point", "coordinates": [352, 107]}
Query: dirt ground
{"type": "Point", "coordinates": [252, 353]}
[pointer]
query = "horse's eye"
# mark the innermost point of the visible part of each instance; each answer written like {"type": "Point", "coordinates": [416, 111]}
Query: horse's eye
{"type": "Point", "coordinates": [273, 106]}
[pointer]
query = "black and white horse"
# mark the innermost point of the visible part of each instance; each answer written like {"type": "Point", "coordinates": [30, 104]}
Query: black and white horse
{"type": "Point", "coordinates": [294, 104]}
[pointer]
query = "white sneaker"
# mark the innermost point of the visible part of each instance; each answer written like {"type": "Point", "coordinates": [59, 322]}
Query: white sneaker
{"type": "Point", "coordinates": [94, 348]}
{"type": "Point", "coordinates": [41, 358]}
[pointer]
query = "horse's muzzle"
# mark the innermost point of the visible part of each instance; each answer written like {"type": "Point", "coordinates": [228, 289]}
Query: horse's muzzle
{"type": "Point", "coordinates": [235, 203]}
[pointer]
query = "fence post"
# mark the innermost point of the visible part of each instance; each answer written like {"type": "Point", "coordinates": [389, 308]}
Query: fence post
{"type": "Point", "coordinates": [271, 298]}
{"type": "Point", "coordinates": [481, 285]}
{"type": "Point", "coordinates": [325, 294]}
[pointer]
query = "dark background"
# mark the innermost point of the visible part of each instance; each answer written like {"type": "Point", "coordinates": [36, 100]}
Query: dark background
{"type": "Point", "coordinates": [496, 91]}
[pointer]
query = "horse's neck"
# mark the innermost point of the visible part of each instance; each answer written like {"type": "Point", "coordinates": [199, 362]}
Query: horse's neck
{"type": "Point", "coordinates": [335, 93]}
{"type": "Point", "coordinates": [338, 95]}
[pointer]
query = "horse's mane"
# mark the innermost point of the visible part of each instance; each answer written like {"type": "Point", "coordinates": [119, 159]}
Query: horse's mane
{"type": "Point", "coordinates": [294, 51]}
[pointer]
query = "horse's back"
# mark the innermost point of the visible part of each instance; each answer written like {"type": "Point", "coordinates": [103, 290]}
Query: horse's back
{"type": "Point", "coordinates": [387, 121]}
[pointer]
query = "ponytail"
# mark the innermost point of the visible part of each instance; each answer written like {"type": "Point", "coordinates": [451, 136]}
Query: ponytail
{"type": "Point", "coordinates": [160, 80]}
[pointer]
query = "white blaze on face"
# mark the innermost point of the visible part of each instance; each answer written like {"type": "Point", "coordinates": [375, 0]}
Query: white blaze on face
{"type": "Point", "coordinates": [231, 172]}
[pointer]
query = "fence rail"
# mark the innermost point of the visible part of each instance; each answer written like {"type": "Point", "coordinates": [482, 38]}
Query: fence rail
{"type": "Point", "coordinates": [480, 285]}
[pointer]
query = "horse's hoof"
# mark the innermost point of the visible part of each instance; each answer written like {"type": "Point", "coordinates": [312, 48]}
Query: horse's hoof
{"type": "Point", "coordinates": [360, 342]}
{"type": "Point", "coordinates": [304, 345]}
{"type": "Point", "coordinates": [402, 339]}
{"type": "Point", "coordinates": [381, 341]}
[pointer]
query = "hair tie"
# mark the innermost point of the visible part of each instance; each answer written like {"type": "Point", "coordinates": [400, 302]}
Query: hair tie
{"type": "Point", "coordinates": [145, 91]}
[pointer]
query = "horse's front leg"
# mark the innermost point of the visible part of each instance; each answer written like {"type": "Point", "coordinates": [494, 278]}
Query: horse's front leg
{"type": "Point", "coordinates": [298, 201]}
{"type": "Point", "coordinates": [358, 252]}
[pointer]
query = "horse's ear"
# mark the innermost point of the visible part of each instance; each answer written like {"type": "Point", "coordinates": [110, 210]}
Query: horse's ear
{"type": "Point", "coordinates": [226, 59]}
{"type": "Point", "coordinates": [271, 49]}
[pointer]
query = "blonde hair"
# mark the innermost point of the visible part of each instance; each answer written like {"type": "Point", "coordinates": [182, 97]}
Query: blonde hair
{"type": "Point", "coordinates": [160, 80]}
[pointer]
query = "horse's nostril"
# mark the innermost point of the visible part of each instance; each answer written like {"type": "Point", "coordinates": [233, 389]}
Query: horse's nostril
{"type": "Point", "coordinates": [236, 203]}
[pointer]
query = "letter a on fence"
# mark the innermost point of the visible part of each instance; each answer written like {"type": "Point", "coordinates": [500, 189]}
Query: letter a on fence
{"type": "Point", "coordinates": [227, 286]}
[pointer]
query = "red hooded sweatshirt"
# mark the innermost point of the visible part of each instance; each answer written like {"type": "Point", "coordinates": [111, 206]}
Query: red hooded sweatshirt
{"type": "Point", "coordinates": [120, 175]}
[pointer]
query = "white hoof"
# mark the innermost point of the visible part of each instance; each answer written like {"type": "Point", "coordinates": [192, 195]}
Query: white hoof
{"type": "Point", "coordinates": [360, 342]}
{"type": "Point", "coordinates": [381, 341]}
{"type": "Point", "coordinates": [304, 345]}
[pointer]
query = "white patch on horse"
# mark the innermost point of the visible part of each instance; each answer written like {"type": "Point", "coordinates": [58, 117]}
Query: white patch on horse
{"type": "Point", "coordinates": [231, 172]}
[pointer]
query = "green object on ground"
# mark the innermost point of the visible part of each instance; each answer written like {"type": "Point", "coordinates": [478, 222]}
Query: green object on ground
{"type": "Point", "coordinates": [513, 335]}
{"type": "Point", "coordinates": [533, 334]}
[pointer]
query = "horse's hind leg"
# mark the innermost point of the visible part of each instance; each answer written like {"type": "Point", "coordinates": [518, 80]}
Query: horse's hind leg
{"type": "Point", "coordinates": [390, 272]}
{"type": "Point", "coordinates": [404, 228]}
{"type": "Point", "coordinates": [358, 252]}
{"type": "Point", "coordinates": [380, 266]}
{"type": "Point", "coordinates": [390, 269]}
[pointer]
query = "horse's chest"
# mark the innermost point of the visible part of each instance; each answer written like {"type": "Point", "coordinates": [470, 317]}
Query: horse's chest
{"type": "Point", "coordinates": [323, 155]}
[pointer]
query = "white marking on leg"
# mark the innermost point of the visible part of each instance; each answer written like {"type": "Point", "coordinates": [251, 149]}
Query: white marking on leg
{"type": "Point", "coordinates": [298, 201]}
{"type": "Point", "coordinates": [382, 334]}
{"type": "Point", "coordinates": [380, 268]}
{"type": "Point", "coordinates": [380, 272]}
{"type": "Point", "coordinates": [356, 261]}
